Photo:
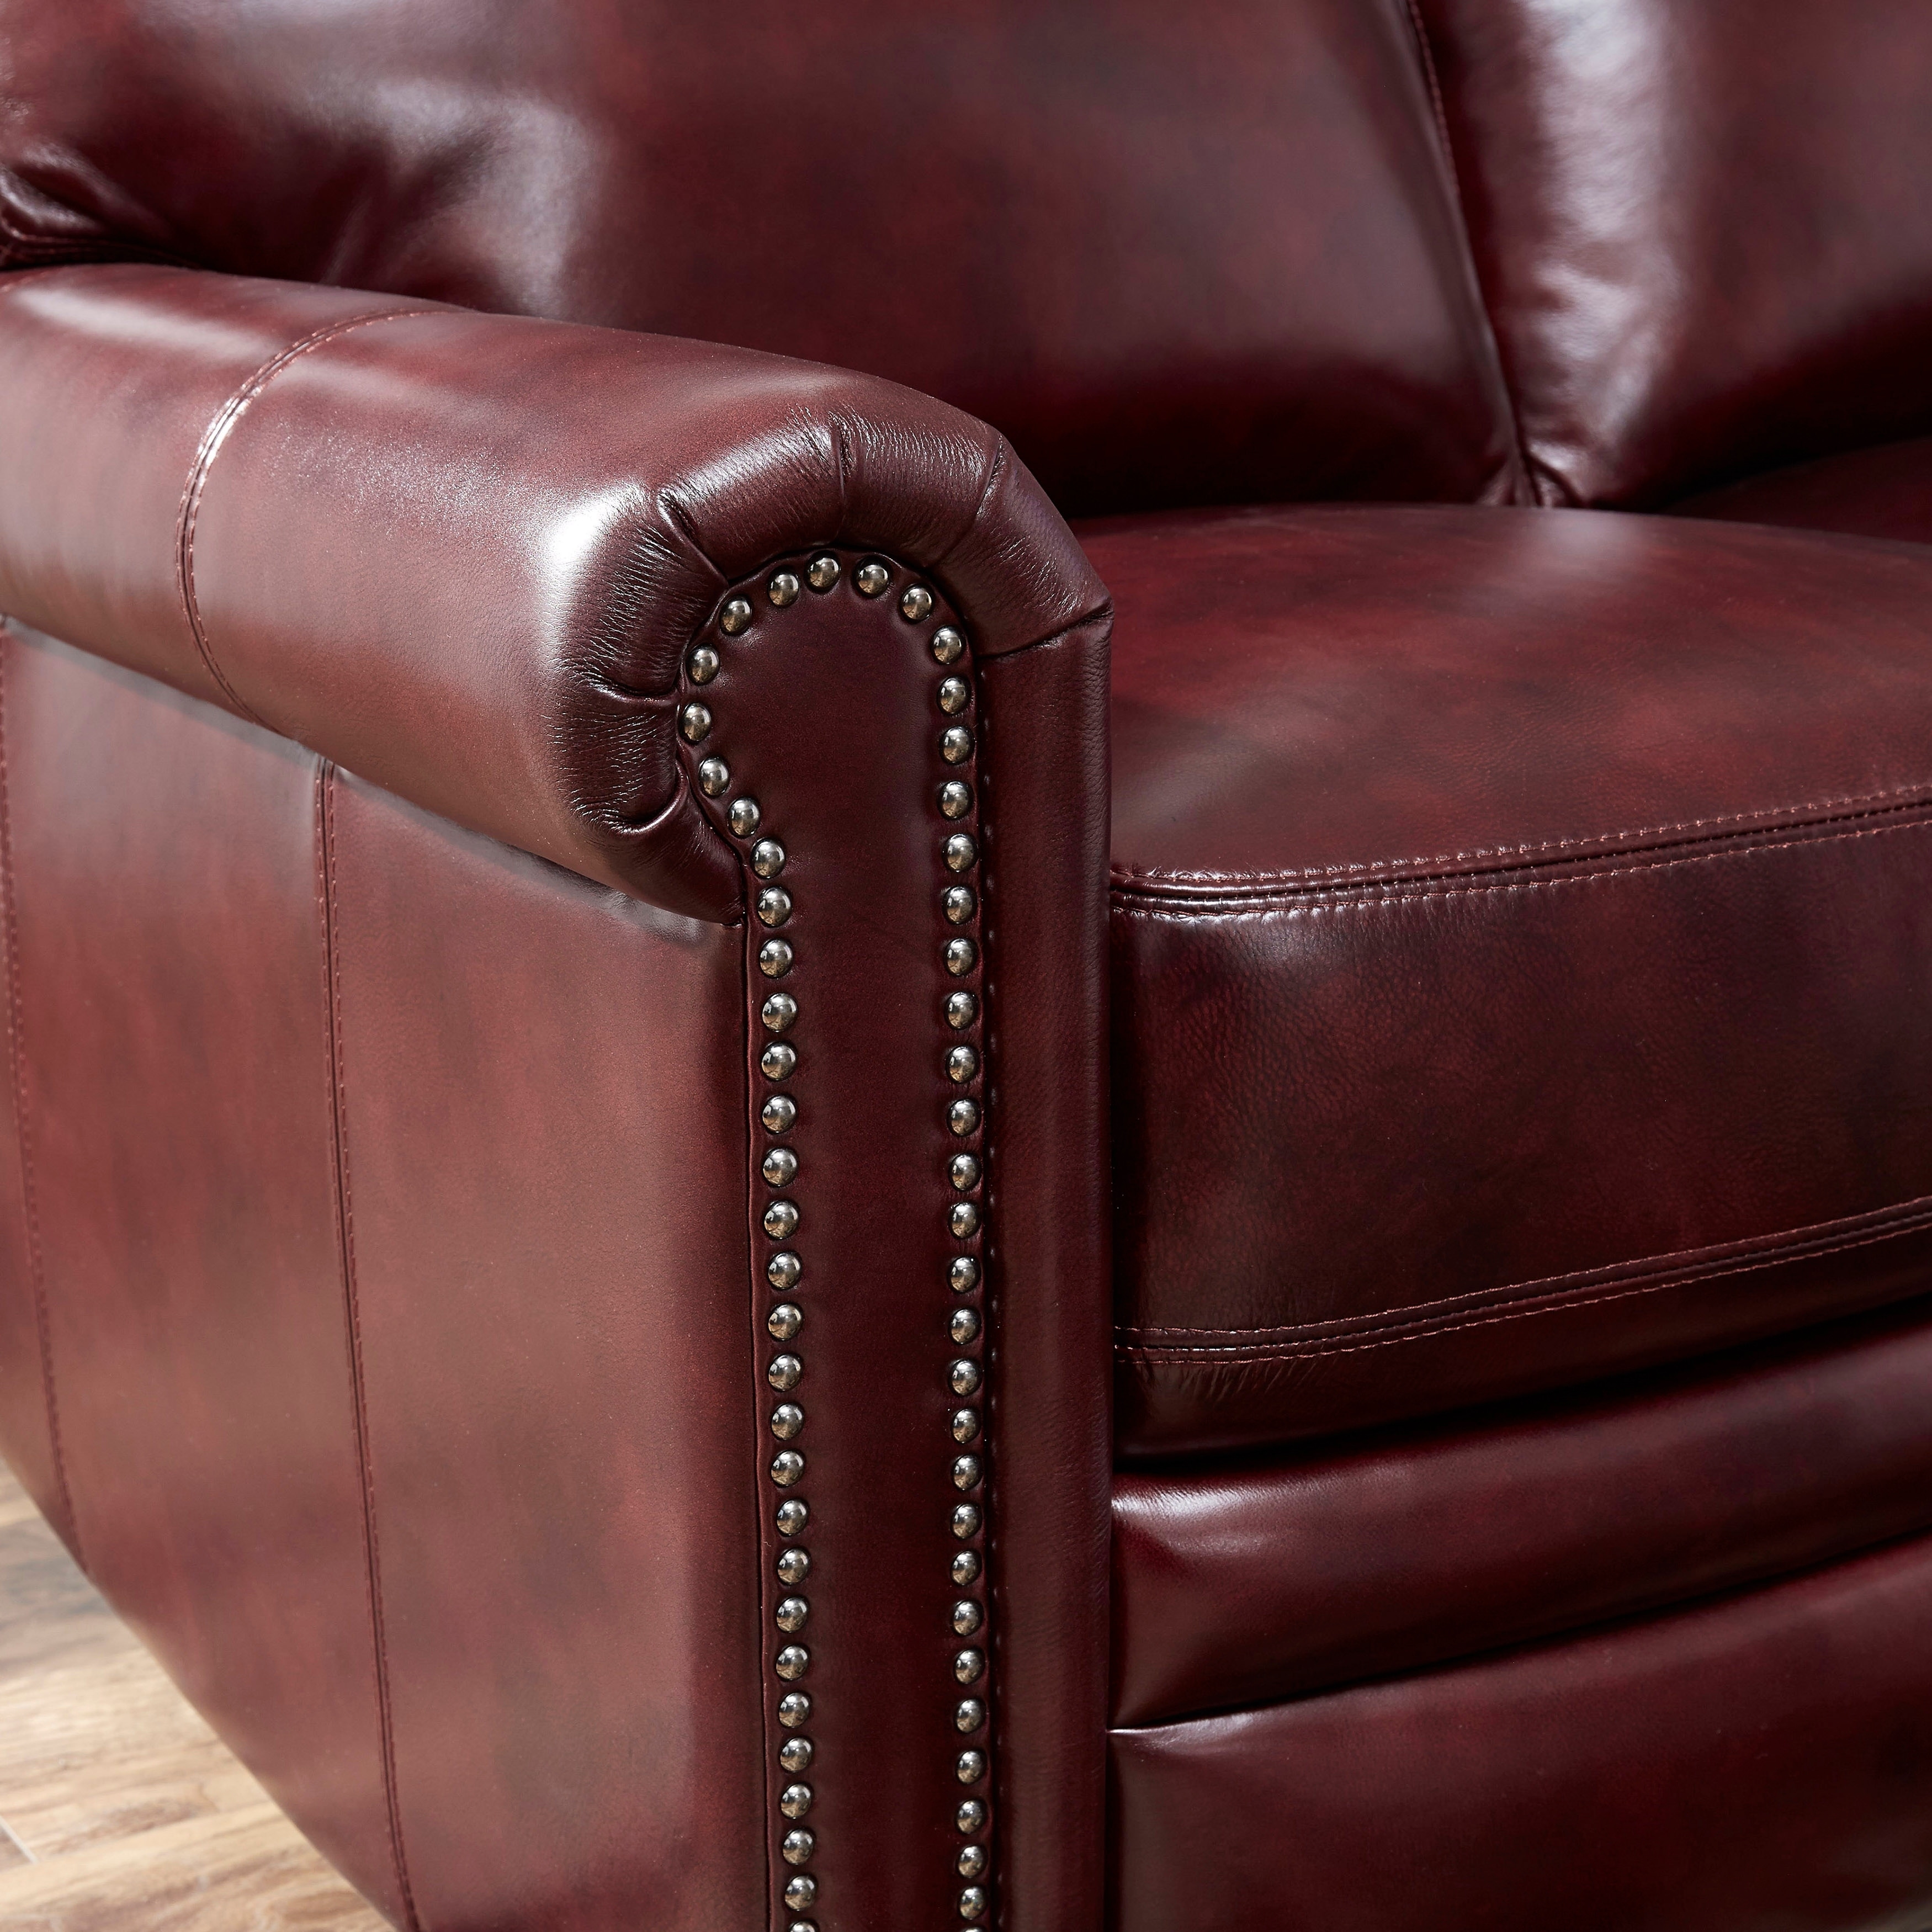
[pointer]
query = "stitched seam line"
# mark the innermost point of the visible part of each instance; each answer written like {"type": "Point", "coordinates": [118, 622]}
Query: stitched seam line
{"type": "Point", "coordinates": [345, 1228]}
{"type": "Point", "coordinates": [1129, 879]}
{"type": "Point", "coordinates": [1280, 909]}
{"type": "Point", "coordinates": [1682, 1262]}
{"type": "Point", "coordinates": [17, 1054]}
{"type": "Point", "coordinates": [1435, 86]}
{"type": "Point", "coordinates": [1427, 1330]}
{"type": "Point", "coordinates": [213, 438]}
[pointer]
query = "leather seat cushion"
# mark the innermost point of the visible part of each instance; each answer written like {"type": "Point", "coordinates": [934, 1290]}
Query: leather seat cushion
{"type": "Point", "coordinates": [1522, 944]}
{"type": "Point", "coordinates": [1885, 492]}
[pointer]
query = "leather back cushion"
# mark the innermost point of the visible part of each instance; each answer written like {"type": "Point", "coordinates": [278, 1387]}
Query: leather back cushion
{"type": "Point", "coordinates": [1207, 253]}
{"type": "Point", "coordinates": [1704, 228]}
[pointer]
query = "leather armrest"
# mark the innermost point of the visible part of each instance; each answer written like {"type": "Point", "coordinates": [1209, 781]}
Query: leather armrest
{"type": "Point", "coordinates": [462, 554]}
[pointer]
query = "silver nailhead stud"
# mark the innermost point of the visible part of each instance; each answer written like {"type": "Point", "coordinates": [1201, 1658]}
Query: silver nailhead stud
{"type": "Point", "coordinates": [781, 1220]}
{"type": "Point", "coordinates": [965, 1472]}
{"type": "Point", "coordinates": [962, 1009]}
{"type": "Point", "coordinates": [783, 588]}
{"type": "Point", "coordinates": [794, 1709]}
{"type": "Point", "coordinates": [774, 906]}
{"type": "Point", "coordinates": [779, 1012]}
{"type": "Point", "coordinates": [787, 1467]}
{"type": "Point", "coordinates": [871, 578]}
{"type": "Point", "coordinates": [778, 1113]}
{"type": "Point", "coordinates": [963, 1272]}
{"type": "Point", "coordinates": [795, 1754]}
{"type": "Point", "coordinates": [955, 798]}
{"type": "Point", "coordinates": [966, 1617]}
{"type": "Point", "coordinates": [794, 1566]}
{"type": "Point", "coordinates": [972, 1901]}
{"type": "Point", "coordinates": [915, 603]}
{"type": "Point", "coordinates": [744, 815]}
{"type": "Point", "coordinates": [966, 1567]}
{"type": "Point", "coordinates": [953, 693]}
{"type": "Point", "coordinates": [824, 573]}
{"type": "Point", "coordinates": [962, 1117]}
{"type": "Point", "coordinates": [962, 1170]}
{"type": "Point", "coordinates": [947, 644]}
{"type": "Point", "coordinates": [971, 1816]}
{"type": "Point", "coordinates": [791, 1613]}
{"type": "Point", "coordinates": [965, 1522]}
{"type": "Point", "coordinates": [962, 1064]}
{"type": "Point", "coordinates": [801, 1892]}
{"type": "Point", "coordinates": [774, 958]}
{"type": "Point", "coordinates": [778, 1061]}
{"type": "Point", "coordinates": [779, 1166]}
{"type": "Point", "coordinates": [713, 776]}
{"type": "Point", "coordinates": [788, 1419]}
{"type": "Point", "coordinates": [963, 1218]}
{"type": "Point", "coordinates": [960, 956]}
{"type": "Point", "coordinates": [784, 1322]}
{"type": "Point", "coordinates": [803, 1925]}
{"type": "Point", "coordinates": [798, 1847]}
{"type": "Point", "coordinates": [964, 1376]}
{"type": "Point", "coordinates": [703, 664]}
{"type": "Point", "coordinates": [965, 1424]}
{"type": "Point", "coordinates": [768, 858]}
{"type": "Point", "coordinates": [784, 1270]}
{"type": "Point", "coordinates": [694, 721]}
{"type": "Point", "coordinates": [961, 854]}
{"type": "Point", "coordinates": [957, 902]}
{"type": "Point", "coordinates": [793, 1516]}
{"type": "Point", "coordinates": [783, 1372]}
{"type": "Point", "coordinates": [972, 1861]}
{"type": "Point", "coordinates": [735, 616]}
{"type": "Point", "coordinates": [795, 1800]}
{"type": "Point", "coordinates": [955, 744]}
{"type": "Point", "coordinates": [970, 1766]}
{"type": "Point", "coordinates": [792, 1662]}
{"type": "Point", "coordinates": [969, 1715]}
{"type": "Point", "coordinates": [963, 1328]}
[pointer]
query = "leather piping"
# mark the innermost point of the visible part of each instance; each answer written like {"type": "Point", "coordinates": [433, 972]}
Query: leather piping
{"type": "Point", "coordinates": [1555, 1294]}
{"type": "Point", "coordinates": [213, 437]}
{"type": "Point", "coordinates": [342, 1204]}
{"type": "Point", "coordinates": [16, 1046]}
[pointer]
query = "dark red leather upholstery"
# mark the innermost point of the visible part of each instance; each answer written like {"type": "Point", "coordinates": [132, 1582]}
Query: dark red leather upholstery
{"type": "Point", "coordinates": [1885, 492]}
{"type": "Point", "coordinates": [1757, 1761]}
{"type": "Point", "coordinates": [1240, 1584]}
{"type": "Point", "coordinates": [1522, 924]}
{"type": "Point", "coordinates": [1206, 256]}
{"type": "Point", "coordinates": [1702, 227]}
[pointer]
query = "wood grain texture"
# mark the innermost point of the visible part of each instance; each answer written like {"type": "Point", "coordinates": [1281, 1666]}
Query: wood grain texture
{"type": "Point", "coordinates": [119, 1809]}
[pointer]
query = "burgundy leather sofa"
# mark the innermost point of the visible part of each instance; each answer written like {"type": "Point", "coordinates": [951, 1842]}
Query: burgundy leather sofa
{"type": "Point", "coordinates": [710, 1234]}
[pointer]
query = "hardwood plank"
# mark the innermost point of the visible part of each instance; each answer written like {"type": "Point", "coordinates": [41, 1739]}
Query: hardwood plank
{"type": "Point", "coordinates": [119, 1809]}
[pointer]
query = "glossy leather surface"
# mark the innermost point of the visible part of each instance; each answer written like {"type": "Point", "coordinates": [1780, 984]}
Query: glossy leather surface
{"type": "Point", "coordinates": [1701, 228]}
{"type": "Point", "coordinates": [1519, 928]}
{"type": "Point", "coordinates": [420, 1456]}
{"type": "Point", "coordinates": [1207, 257]}
{"type": "Point", "coordinates": [492, 539]}
{"type": "Point", "coordinates": [1240, 1584]}
{"type": "Point", "coordinates": [1762, 1760]}
{"type": "Point", "coordinates": [1885, 492]}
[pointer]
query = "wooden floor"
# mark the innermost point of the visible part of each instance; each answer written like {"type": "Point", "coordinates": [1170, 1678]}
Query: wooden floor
{"type": "Point", "coordinates": [119, 1811]}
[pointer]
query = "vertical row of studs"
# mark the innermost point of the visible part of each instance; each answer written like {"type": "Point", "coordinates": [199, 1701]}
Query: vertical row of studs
{"type": "Point", "coordinates": [777, 1166]}
{"type": "Point", "coordinates": [963, 1059]}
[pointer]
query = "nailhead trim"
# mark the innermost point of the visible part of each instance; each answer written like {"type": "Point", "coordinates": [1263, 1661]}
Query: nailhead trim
{"type": "Point", "coordinates": [958, 1030]}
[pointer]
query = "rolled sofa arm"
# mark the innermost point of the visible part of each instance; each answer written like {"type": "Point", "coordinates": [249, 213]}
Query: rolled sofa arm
{"type": "Point", "coordinates": [765, 644]}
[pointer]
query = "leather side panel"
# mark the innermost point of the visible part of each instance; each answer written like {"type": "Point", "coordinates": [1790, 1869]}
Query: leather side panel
{"type": "Point", "coordinates": [1885, 492]}
{"type": "Point", "coordinates": [1762, 1761]}
{"type": "Point", "coordinates": [543, 1155]}
{"type": "Point", "coordinates": [176, 1037]}
{"type": "Point", "coordinates": [1237, 1584]}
